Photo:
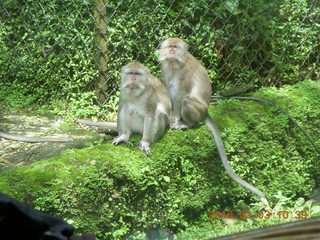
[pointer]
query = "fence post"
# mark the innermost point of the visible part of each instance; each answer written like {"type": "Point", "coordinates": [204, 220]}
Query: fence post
{"type": "Point", "coordinates": [101, 57]}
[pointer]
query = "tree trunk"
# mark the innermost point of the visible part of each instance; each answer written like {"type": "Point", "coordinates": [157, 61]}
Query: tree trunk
{"type": "Point", "coordinates": [100, 16]}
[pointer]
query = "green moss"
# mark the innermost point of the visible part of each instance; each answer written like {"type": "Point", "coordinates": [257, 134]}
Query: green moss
{"type": "Point", "coordinates": [113, 190]}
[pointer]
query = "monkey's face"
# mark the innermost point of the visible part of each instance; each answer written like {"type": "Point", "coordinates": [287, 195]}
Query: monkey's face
{"type": "Point", "coordinates": [134, 76]}
{"type": "Point", "coordinates": [173, 49]}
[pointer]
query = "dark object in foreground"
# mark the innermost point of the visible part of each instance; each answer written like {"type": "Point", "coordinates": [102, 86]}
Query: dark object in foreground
{"type": "Point", "coordinates": [308, 229]}
{"type": "Point", "coordinates": [20, 221]}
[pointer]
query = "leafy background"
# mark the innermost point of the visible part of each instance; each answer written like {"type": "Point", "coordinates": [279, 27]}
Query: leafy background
{"type": "Point", "coordinates": [48, 48]}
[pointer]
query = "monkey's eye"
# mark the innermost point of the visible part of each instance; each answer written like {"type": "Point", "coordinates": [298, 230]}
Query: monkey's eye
{"type": "Point", "coordinates": [134, 73]}
{"type": "Point", "coordinates": [172, 46]}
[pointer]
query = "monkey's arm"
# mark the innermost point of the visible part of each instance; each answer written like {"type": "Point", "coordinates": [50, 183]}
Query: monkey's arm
{"type": "Point", "coordinates": [19, 138]}
{"type": "Point", "coordinates": [124, 131]}
{"type": "Point", "coordinates": [148, 136]}
{"type": "Point", "coordinates": [175, 116]}
{"type": "Point", "coordinates": [217, 136]}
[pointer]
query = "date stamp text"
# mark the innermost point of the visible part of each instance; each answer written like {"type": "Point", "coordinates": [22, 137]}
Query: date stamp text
{"type": "Point", "coordinates": [258, 215]}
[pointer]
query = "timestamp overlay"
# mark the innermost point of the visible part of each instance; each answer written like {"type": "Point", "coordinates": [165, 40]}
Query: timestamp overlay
{"type": "Point", "coordinates": [242, 214]}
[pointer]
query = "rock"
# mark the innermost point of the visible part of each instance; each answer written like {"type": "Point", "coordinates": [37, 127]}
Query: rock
{"type": "Point", "coordinates": [15, 153]}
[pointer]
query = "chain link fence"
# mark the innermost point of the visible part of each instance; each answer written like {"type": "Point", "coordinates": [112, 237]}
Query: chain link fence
{"type": "Point", "coordinates": [70, 49]}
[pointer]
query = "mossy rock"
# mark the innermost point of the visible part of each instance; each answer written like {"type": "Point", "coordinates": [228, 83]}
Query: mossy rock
{"type": "Point", "coordinates": [113, 190]}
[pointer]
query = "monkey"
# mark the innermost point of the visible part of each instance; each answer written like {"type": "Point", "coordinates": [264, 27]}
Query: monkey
{"type": "Point", "coordinates": [9, 136]}
{"type": "Point", "coordinates": [144, 106]}
{"type": "Point", "coordinates": [190, 91]}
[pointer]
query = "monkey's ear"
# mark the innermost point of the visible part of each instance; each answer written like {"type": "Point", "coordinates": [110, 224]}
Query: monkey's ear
{"type": "Point", "coordinates": [122, 70]}
{"type": "Point", "coordinates": [147, 70]}
{"type": "Point", "coordinates": [185, 46]}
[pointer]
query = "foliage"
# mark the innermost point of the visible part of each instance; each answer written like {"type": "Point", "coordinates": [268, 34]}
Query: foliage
{"type": "Point", "coordinates": [45, 51]}
{"type": "Point", "coordinates": [236, 40]}
{"type": "Point", "coordinates": [47, 47]}
{"type": "Point", "coordinates": [115, 191]}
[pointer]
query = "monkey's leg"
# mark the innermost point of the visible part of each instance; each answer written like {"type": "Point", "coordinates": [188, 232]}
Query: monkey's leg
{"type": "Point", "coordinates": [178, 125]}
{"type": "Point", "coordinates": [193, 111]}
{"type": "Point", "coordinates": [160, 125]}
{"type": "Point", "coordinates": [123, 138]}
{"type": "Point", "coordinates": [153, 130]}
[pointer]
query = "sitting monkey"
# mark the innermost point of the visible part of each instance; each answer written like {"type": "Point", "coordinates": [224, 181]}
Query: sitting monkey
{"type": "Point", "coordinates": [144, 106]}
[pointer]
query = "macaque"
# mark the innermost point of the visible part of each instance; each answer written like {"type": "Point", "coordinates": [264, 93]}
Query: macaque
{"type": "Point", "coordinates": [190, 90]}
{"type": "Point", "coordinates": [144, 106]}
{"type": "Point", "coordinates": [19, 138]}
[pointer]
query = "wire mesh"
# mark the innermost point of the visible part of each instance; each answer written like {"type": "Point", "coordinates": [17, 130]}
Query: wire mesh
{"type": "Point", "coordinates": [71, 47]}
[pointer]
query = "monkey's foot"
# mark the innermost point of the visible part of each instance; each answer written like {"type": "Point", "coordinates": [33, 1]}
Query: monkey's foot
{"type": "Point", "coordinates": [120, 139]}
{"type": "Point", "coordinates": [144, 146]}
{"type": "Point", "coordinates": [178, 126]}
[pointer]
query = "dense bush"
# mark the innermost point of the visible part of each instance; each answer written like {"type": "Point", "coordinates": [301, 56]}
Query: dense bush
{"type": "Point", "coordinates": [47, 47]}
{"type": "Point", "coordinates": [46, 51]}
{"type": "Point", "coordinates": [247, 42]}
{"type": "Point", "coordinates": [115, 190]}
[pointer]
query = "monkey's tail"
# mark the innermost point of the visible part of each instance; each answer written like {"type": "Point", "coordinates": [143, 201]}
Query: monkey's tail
{"type": "Point", "coordinates": [217, 136]}
{"type": "Point", "coordinates": [32, 139]}
{"type": "Point", "coordinates": [112, 126]}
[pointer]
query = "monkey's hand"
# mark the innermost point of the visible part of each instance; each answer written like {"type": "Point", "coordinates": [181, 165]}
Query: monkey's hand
{"type": "Point", "coordinates": [144, 146]}
{"type": "Point", "coordinates": [178, 126]}
{"type": "Point", "coordinates": [121, 139]}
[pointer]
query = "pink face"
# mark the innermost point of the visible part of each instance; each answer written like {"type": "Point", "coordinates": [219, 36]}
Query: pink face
{"type": "Point", "coordinates": [133, 76]}
{"type": "Point", "coordinates": [172, 50]}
